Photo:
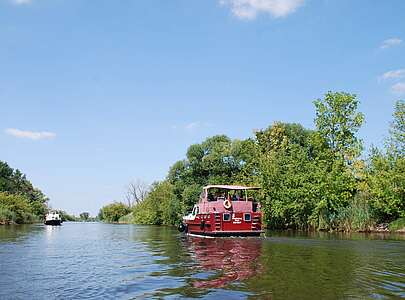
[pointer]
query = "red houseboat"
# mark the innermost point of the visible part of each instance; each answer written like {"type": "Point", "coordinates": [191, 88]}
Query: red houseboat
{"type": "Point", "coordinates": [224, 210]}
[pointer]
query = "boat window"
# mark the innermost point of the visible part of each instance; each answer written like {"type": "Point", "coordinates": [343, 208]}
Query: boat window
{"type": "Point", "coordinates": [247, 217]}
{"type": "Point", "coordinates": [211, 197]}
{"type": "Point", "coordinates": [196, 210]}
{"type": "Point", "coordinates": [227, 217]}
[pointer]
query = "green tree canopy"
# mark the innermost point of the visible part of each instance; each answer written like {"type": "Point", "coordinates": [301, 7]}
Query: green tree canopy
{"type": "Point", "coordinates": [397, 129]}
{"type": "Point", "coordinates": [338, 121]}
{"type": "Point", "coordinates": [113, 212]}
{"type": "Point", "coordinates": [84, 216]}
{"type": "Point", "coordinates": [20, 190]}
{"type": "Point", "coordinates": [309, 178]}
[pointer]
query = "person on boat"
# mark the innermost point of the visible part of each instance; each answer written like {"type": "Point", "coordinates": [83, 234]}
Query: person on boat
{"type": "Point", "coordinates": [211, 197]}
{"type": "Point", "coordinates": [235, 196]}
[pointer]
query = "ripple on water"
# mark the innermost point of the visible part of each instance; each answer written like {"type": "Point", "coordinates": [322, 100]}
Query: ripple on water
{"type": "Point", "coordinates": [102, 261]}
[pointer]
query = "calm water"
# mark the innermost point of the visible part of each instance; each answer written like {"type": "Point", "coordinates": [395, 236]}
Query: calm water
{"type": "Point", "coordinates": [102, 261]}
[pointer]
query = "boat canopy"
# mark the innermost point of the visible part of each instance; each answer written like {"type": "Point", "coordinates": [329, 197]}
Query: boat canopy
{"type": "Point", "coordinates": [231, 187]}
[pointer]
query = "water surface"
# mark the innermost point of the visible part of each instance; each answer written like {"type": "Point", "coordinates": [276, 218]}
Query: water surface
{"type": "Point", "coordinates": [104, 261]}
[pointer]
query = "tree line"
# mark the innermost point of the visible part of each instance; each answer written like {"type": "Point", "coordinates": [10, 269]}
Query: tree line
{"type": "Point", "coordinates": [20, 201]}
{"type": "Point", "coordinates": [321, 179]}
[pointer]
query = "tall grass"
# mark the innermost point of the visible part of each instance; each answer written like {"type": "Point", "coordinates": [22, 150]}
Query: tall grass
{"type": "Point", "coordinates": [6, 215]}
{"type": "Point", "coordinates": [127, 219]}
{"type": "Point", "coordinates": [397, 224]}
{"type": "Point", "coordinates": [354, 217]}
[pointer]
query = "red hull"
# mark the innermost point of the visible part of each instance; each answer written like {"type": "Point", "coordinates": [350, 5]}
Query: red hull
{"type": "Point", "coordinates": [226, 224]}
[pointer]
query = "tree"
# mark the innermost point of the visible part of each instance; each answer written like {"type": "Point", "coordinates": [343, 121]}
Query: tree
{"type": "Point", "coordinates": [136, 192]}
{"type": "Point", "coordinates": [14, 182]}
{"type": "Point", "coordinates": [386, 172]}
{"type": "Point", "coordinates": [397, 130]}
{"type": "Point", "coordinates": [84, 216]}
{"type": "Point", "coordinates": [18, 207]}
{"type": "Point", "coordinates": [161, 207]}
{"type": "Point", "coordinates": [113, 212]}
{"type": "Point", "coordinates": [338, 121]}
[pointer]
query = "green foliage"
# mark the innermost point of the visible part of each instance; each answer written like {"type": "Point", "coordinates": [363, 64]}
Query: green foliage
{"type": "Point", "coordinates": [356, 216]}
{"type": "Point", "coordinates": [217, 160]}
{"type": "Point", "coordinates": [397, 130]}
{"type": "Point", "coordinates": [15, 207]}
{"type": "Point", "coordinates": [127, 219]}
{"type": "Point", "coordinates": [30, 203]}
{"type": "Point", "coordinates": [189, 195]}
{"type": "Point", "coordinates": [398, 224]}
{"type": "Point", "coordinates": [6, 215]}
{"type": "Point", "coordinates": [338, 121]}
{"type": "Point", "coordinates": [310, 179]}
{"type": "Point", "coordinates": [386, 180]}
{"type": "Point", "coordinates": [303, 183]}
{"type": "Point", "coordinates": [113, 212]}
{"type": "Point", "coordinates": [161, 206]}
{"type": "Point", "coordinates": [386, 172]}
{"type": "Point", "coordinates": [84, 216]}
{"type": "Point", "coordinates": [283, 164]}
{"type": "Point", "coordinates": [15, 182]}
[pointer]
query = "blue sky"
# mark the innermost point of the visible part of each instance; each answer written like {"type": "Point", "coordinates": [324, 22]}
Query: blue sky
{"type": "Point", "coordinates": [94, 94]}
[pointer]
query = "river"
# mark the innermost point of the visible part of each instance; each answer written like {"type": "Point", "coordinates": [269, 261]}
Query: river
{"type": "Point", "coordinates": [104, 261]}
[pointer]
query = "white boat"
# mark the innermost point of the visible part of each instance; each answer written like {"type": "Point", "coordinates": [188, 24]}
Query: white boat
{"type": "Point", "coordinates": [53, 218]}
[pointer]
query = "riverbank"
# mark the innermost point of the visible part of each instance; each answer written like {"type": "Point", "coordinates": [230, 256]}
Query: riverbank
{"type": "Point", "coordinates": [397, 226]}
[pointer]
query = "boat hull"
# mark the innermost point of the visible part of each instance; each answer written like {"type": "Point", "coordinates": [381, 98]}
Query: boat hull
{"type": "Point", "coordinates": [228, 233]}
{"type": "Point", "coordinates": [224, 224]}
{"type": "Point", "coordinates": [53, 222]}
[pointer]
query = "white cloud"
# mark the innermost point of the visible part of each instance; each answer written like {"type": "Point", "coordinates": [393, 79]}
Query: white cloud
{"type": "Point", "coordinates": [399, 88]}
{"type": "Point", "coordinates": [394, 74]}
{"type": "Point", "coordinates": [33, 135]}
{"type": "Point", "coordinates": [21, 2]}
{"type": "Point", "coordinates": [249, 9]}
{"type": "Point", "coordinates": [192, 126]}
{"type": "Point", "coordinates": [390, 43]}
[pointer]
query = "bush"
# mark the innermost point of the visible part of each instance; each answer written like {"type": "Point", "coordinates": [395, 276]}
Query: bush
{"type": "Point", "coordinates": [161, 207]}
{"type": "Point", "coordinates": [113, 212]}
{"type": "Point", "coordinates": [127, 219]}
{"type": "Point", "coordinates": [6, 215]}
{"type": "Point", "coordinates": [19, 207]}
{"type": "Point", "coordinates": [397, 224]}
{"type": "Point", "coordinates": [386, 178]}
{"type": "Point", "coordinates": [356, 216]}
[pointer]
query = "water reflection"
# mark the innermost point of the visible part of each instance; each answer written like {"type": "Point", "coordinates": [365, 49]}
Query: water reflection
{"type": "Point", "coordinates": [51, 231]}
{"type": "Point", "coordinates": [104, 261]}
{"type": "Point", "coordinates": [233, 259]}
{"type": "Point", "coordinates": [338, 235]}
{"type": "Point", "coordinates": [15, 233]}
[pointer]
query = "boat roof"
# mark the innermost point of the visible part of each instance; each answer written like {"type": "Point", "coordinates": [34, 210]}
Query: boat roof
{"type": "Point", "coordinates": [231, 187]}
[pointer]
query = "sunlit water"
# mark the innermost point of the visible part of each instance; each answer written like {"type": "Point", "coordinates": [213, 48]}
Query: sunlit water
{"type": "Point", "coordinates": [102, 261]}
